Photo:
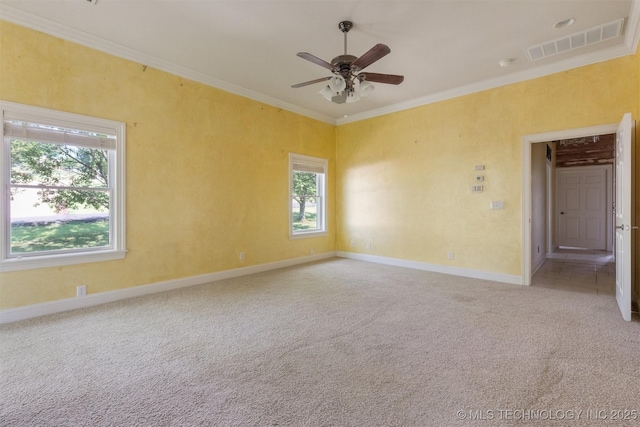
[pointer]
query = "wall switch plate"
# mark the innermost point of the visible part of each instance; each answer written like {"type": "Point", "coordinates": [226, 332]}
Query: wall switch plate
{"type": "Point", "coordinates": [497, 205]}
{"type": "Point", "coordinates": [479, 167]}
{"type": "Point", "coordinates": [476, 188]}
{"type": "Point", "coordinates": [478, 178]}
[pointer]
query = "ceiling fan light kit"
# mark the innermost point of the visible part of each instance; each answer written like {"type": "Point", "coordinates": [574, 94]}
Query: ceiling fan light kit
{"type": "Point", "coordinates": [352, 97]}
{"type": "Point", "coordinates": [326, 93]}
{"type": "Point", "coordinates": [366, 88]}
{"type": "Point", "coordinates": [349, 83]}
{"type": "Point", "coordinates": [337, 83]}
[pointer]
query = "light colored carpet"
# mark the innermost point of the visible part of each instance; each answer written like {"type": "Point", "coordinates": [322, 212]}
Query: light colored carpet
{"type": "Point", "coordinates": [334, 343]}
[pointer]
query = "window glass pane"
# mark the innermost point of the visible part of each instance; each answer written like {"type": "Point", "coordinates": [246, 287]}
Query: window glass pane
{"type": "Point", "coordinates": [305, 183]}
{"type": "Point", "coordinates": [63, 188]}
{"type": "Point", "coordinates": [305, 201]}
{"type": "Point", "coordinates": [36, 163]}
{"type": "Point", "coordinates": [41, 220]}
{"type": "Point", "coordinates": [305, 213]}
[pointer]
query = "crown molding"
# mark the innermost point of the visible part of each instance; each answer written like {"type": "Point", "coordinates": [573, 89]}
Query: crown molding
{"type": "Point", "coordinates": [46, 26]}
{"type": "Point", "coordinates": [632, 30]}
{"type": "Point", "coordinates": [545, 70]}
{"type": "Point", "coordinates": [629, 47]}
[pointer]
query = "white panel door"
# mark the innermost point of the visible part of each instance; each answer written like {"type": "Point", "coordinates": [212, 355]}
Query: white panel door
{"type": "Point", "coordinates": [582, 207]}
{"type": "Point", "coordinates": [624, 175]}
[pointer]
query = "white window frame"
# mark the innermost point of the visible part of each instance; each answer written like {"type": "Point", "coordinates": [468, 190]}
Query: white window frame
{"type": "Point", "coordinates": [314, 163]}
{"type": "Point", "coordinates": [117, 248]}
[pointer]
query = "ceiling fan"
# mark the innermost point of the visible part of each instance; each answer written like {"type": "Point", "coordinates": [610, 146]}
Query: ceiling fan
{"type": "Point", "coordinates": [349, 82]}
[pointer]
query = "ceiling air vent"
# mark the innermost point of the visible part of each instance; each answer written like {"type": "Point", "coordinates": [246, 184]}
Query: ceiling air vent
{"type": "Point", "coordinates": [577, 40]}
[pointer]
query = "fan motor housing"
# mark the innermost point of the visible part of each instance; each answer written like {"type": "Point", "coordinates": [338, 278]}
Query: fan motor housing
{"type": "Point", "coordinates": [342, 64]}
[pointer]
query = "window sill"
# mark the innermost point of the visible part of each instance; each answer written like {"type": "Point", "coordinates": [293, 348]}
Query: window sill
{"type": "Point", "coordinates": [16, 264]}
{"type": "Point", "coordinates": [307, 234]}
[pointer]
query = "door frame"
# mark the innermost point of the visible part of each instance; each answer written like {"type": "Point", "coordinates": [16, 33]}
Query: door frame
{"type": "Point", "coordinates": [527, 140]}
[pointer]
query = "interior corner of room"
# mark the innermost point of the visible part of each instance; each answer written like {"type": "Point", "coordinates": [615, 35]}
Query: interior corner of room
{"type": "Point", "coordinates": [189, 236]}
{"type": "Point", "coordinates": [441, 186]}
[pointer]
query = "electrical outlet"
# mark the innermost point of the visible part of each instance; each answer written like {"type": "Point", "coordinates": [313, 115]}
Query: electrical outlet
{"type": "Point", "coordinates": [81, 291]}
{"type": "Point", "coordinates": [369, 245]}
{"type": "Point", "coordinates": [353, 243]}
{"type": "Point", "coordinates": [450, 255]}
{"type": "Point", "coordinates": [241, 255]}
{"type": "Point", "coordinates": [311, 252]}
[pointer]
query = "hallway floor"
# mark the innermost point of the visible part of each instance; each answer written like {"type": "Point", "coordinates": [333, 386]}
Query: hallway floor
{"type": "Point", "coordinates": [580, 270]}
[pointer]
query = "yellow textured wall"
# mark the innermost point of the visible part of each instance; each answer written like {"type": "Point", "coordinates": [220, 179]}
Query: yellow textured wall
{"type": "Point", "coordinates": [207, 171]}
{"type": "Point", "coordinates": [404, 179]}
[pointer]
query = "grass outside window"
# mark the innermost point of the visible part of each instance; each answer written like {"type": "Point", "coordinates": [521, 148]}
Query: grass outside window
{"type": "Point", "coordinates": [60, 235]}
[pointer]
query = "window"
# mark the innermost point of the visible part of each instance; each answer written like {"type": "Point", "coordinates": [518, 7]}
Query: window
{"type": "Point", "coordinates": [307, 202]}
{"type": "Point", "coordinates": [62, 188]}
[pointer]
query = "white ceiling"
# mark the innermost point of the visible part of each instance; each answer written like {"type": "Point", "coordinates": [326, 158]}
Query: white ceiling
{"type": "Point", "coordinates": [444, 48]}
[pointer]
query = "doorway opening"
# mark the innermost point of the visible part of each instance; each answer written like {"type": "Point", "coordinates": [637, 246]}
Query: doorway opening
{"type": "Point", "coordinates": [540, 208]}
{"type": "Point", "coordinates": [572, 214]}
{"type": "Point", "coordinates": [624, 205]}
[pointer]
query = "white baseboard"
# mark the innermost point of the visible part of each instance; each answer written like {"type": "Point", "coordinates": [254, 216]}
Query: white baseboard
{"type": "Point", "coordinates": [455, 271]}
{"type": "Point", "coordinates": [35, 310]}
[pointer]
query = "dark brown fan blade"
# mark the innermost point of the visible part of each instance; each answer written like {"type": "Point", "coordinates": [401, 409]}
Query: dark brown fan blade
{"type": "Point", "coordinates": [310, 82]}
{"type": "Point", "coordinates": [390, 79]}
{"type": "Point", "coordinates": [375, 53]}
{"type": "Point", "coordinates": [315, 60]}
